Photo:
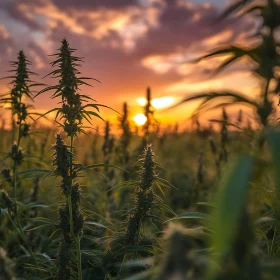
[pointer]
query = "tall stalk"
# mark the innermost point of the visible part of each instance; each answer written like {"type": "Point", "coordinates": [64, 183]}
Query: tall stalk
{"type": "Point", "coordinates": [108, 148]}
{"type": "Point", "coordinates": [21, 89]}
{"type": "Point", "coordinates": [149, 113]}
{"type": "Point", "coordinates": [125, 140]}
{"type": "Point", "coordinates": [70, 117]}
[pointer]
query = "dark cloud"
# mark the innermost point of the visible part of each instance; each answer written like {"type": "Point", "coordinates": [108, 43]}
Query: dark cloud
{"type": "Point", "coordinates": [11, 8]}
{"type": "Point", "coordinates": [182, 26]}
{"type": "Point", "coordinates": [93, 4]}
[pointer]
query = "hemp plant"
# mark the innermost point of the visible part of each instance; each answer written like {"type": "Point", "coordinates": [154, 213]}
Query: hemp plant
{"type": "Point", "coordinates": [108, 148]}
{"type": "Point", "coordinates": [134, 240]}
{"type": "Point", "coordinates": [149, 112]}
{"type": "Point", "coordinates": [220, 152]}
{"type": "Point", "coordinates": [15, 99]}
{"type": "Point", "coordinates": [144, 197]}
{"type": "Point", "coordinates": [125, 140]}
{"type": "Point", "coordinates": [146, 203]}
{"type": "Point", "coordinates": [76, 108]}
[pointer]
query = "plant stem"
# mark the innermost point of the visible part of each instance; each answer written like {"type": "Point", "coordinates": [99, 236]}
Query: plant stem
{"type": "Point", "coordinates": [69, 199]}
{"type": "Point", "coordinates": [18, 224]}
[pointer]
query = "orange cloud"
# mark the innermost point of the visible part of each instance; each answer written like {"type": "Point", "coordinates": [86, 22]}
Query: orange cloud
{"type": "Point", "coordinates": [130, 24]}
{"type": "Point", "coordinates": [239, 81]}
{"type": "Point", "coordinates": [4, 33]}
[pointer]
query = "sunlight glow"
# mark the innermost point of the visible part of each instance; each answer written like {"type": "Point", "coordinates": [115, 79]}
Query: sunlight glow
{"type": "Point", "coordinates": [140, 119]}
{"type": "Point", "coordinates": [142, 101]}
{"type": "Point", "coordinates": [163, 102]}
{"type": "Point", "coordinates": [158, 103]}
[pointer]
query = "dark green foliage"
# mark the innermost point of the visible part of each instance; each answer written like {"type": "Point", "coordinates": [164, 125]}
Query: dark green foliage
{"type": "Point", "coordinates": [13, 204]}
{"type": "Point", "coordinates": [64, 259]}
{"type": "Point", "coordinates": [144, 197]}
{"type": "Point", "coordinates": [16, 154]}
{"type": "Point", "coordinates": [62, 163]}
{"type": "Point", "coordinates": [21, 85]}
{"type": "Point", "coordinates": [72, 112]}
{"type": "Point", "coordinates": [69, 225]}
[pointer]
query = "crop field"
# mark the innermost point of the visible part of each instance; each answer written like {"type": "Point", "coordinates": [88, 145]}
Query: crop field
{"type": "Point", "coordinates": [106, 202]}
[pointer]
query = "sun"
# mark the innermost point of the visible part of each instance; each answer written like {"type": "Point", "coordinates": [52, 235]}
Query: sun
{"type": "Point", "coordinates": [140, 119]}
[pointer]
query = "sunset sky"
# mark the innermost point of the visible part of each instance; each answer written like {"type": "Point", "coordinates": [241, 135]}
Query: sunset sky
{"type": "Point", "coordinates": [128, 45]}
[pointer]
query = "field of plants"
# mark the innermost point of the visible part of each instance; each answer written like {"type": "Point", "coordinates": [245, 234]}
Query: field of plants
{"type": "Point", "coordinates": [164, 204]}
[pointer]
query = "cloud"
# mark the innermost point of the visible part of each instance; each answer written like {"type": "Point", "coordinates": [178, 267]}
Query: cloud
{"type": "Point", "coordinates": [153, 25]}
{"type": "Point", "coordinates": [100, 21]}
{"type": "Point", "coordinates": [93, 4]}
{"type": "Point", "coordinates": [38, 55]}
{"type": "Point", "coordinates": [7, 42]}
{"type": "Point", "coordinates": [240, 81]}
{"type": "Point", "coordinates": [127, 44]}
{"type": "Point", "coordinates": [16, 10]}
{"type": "Point", "coordinates": [177, 60]}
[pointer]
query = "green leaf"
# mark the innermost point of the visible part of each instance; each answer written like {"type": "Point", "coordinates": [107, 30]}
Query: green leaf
{"type": "Point", "coordinates": [46, 89]}
{"type": "Point", "coordinates": [209, 99]}
{"type": "Point", "coordinates": [44, 220]}
{"type": "Point", "coordinates": [52, 110]}
{"type": "Point", "coordinates": [105, 165]}
{"type": "Point", "coordinates": [93, 114]}
{"type": "Point", "coordinates": [98, 225]}
{"type": "Point", "coordinates": [101, 105]}
{"type": "Point", "coordinates": [208, 204]}
{"type": "Point", "coordinates": [230, 201]}
{"type": "Point", "coordinates": [38, 227]}
{"type": "Point", "coordinates": [41, 171]}
{"type": "Point", "coordinates": [191, 215]}
{"type": "Point", "coordinates": [266, 220]}
{"type": "Point", "coordinates": [138, 263]}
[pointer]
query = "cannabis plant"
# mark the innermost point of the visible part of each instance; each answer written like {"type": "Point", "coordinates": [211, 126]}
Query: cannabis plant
{"type": "Point", "coordinates": [125, 140]}
{"type": "Point", "coordinates": [75, 110]}
{"type": "Point", "coordinates": [15, 101]}
{"type": "Point", "coordinates": [150, 119]}
{"type": "Point", "coordinates": [134, 240]}
{"type": "Point", "coordinates": [108, 148]}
